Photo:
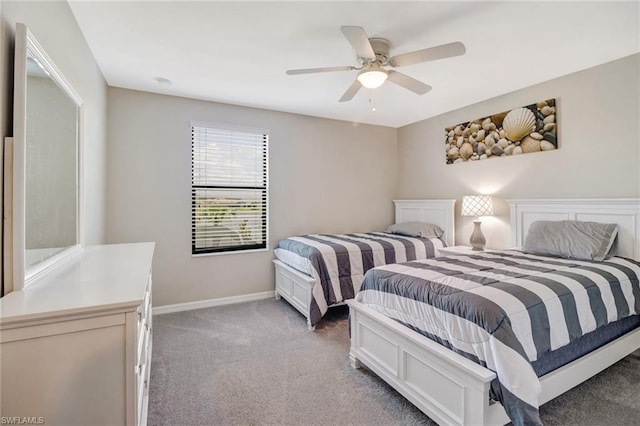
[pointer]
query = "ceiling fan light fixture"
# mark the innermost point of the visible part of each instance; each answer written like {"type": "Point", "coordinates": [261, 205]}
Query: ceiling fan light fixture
{"type": "Point", "coordinates": [373, 77]}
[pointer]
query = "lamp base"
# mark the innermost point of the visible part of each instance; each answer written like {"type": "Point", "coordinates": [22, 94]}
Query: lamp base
{"type": "Point", "coordinates": [477, 239]}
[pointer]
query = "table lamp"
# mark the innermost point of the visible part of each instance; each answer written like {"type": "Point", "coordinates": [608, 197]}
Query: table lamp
{"type": "Point", "coordinates": [477, 205]}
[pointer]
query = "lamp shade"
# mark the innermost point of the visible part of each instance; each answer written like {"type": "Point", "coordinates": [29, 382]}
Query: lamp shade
{"type": "Point", "coordinates": [477, 205]}
{"type": "Point", "coordinates": [373, 77]}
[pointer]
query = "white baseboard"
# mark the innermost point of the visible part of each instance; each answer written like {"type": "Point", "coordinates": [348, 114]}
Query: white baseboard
{"type": "Point", "coordinates": [188, 306]}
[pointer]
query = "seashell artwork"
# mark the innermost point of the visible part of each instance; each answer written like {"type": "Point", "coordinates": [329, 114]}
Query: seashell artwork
{"type": "Point", "coordinates": [531, 128]}
{"type": "Point", "coordinates": [519, 123]}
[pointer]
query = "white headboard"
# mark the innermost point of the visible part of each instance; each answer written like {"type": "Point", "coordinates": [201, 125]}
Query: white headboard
{"type": "Point", "coordinates": [437, 212]}
{"type": "Point", "coordinates": [623, 211]}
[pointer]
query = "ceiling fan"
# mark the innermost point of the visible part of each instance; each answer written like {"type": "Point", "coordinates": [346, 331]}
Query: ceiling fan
{"type": "Point", "coordinates": [373, 55]}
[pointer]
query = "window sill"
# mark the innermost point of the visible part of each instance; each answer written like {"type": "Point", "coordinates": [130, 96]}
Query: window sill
{"type": "Point", "coordinates": [226, 253]}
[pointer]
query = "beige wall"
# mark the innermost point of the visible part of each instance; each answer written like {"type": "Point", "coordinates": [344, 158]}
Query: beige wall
{"type": "Point", "coordinates": [55, 28]}
{"type": "Point", "coordinates": [598, 155]}
{"type": "Point", "coordinates": [325, 176]}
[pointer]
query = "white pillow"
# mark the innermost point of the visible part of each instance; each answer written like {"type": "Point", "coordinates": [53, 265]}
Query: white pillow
{"type": "Point", "coordinates": [571, 239]}
{"type": "Point", "coordinates": [416, 229]}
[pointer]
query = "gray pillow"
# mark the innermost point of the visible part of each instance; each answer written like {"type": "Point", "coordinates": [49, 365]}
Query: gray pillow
{"type": "Point", "coordinates": [416, 229]}
{"type": "Point", "coordinates": [571, 239]}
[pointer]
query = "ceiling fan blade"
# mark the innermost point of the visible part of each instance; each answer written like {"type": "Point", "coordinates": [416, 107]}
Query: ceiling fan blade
{"type": "Point", "coordinates": [314, 70]}
{"type": "Point", "coordinates": [408, 83]}
{"type": "Point", "coordinates": [429, 54]}
{"type": "Point", "coordinates": [359, 40]}
{"type": "Point", "coordinates": [351, 91]}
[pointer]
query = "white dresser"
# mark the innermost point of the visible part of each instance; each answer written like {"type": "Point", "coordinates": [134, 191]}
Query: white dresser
{"type": "Point", "coordinates": [75, 346]}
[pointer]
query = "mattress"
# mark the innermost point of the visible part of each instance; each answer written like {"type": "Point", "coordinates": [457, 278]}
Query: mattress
{"type": "Point", "coordinates": [338, 262]}
{"type": "Point", "coordinates": [506, 310]}
{"type": "Point", "coordinates": [589, 342]}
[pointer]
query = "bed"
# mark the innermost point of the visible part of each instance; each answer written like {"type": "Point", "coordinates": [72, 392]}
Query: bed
{"type": "Point", "coordinates": [300, 285]}
{"type": "Point", "coordinates": [453, 389]}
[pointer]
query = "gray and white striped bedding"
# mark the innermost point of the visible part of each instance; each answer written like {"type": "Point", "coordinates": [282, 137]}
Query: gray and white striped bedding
{"type": "Point", "coordinates": [505, 309]}
{"type": "Point", "coordinates": [338, 261]}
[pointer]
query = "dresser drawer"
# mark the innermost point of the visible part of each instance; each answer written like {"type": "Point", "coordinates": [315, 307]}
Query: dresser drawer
{"type": "Point", "coordinates": [142, 377]}
{"type": "Point", "coordinates": [144, 310]}
{"type": "Point", "coordinates": [143, 355]}
{"type": "Point", "coordinates": [144, 324]}
{"type": "Point", "coordinates": [142, 372]}
{"type": "Point", "coordinates": [143, 337]}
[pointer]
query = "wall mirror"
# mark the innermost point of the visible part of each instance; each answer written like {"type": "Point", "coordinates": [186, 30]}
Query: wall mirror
{"type": "Point", "coordinates": [46, 220]}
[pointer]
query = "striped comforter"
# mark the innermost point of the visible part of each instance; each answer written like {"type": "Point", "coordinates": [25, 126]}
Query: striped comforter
{"type": "Point", "coordinates": [505, 309]}
{"type": "Point", "coordinates": [338, 262]}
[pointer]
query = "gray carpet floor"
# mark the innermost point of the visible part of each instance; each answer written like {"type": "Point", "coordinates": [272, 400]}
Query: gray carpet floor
{"type": "Point", "coordinates": [257, 364]}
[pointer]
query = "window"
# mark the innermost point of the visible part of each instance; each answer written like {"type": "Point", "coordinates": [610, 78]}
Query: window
{"type": "Point", "coordinates": [228, 188]}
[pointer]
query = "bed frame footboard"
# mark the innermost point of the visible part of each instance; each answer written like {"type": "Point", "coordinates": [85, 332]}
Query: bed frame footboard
{"type": "Point", "coordinates": [296, 288]}
{"type": "Point", "coordinates": [447, 387]}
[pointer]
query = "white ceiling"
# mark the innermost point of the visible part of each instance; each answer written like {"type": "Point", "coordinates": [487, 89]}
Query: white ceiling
{"type": "Point", "coordinates": [238, 52]}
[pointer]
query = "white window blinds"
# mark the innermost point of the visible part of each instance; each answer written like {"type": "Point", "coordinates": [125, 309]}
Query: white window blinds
{"type": "Point", "coordinates": [228, 188]}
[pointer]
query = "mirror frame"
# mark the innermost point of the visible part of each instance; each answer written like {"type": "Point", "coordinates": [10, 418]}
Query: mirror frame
{"type": "Point", "coordinates": [16, 276]}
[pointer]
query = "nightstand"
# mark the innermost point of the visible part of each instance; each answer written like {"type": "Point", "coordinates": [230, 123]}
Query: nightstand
{"type": "Point", "coordinates": [454, 250]}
